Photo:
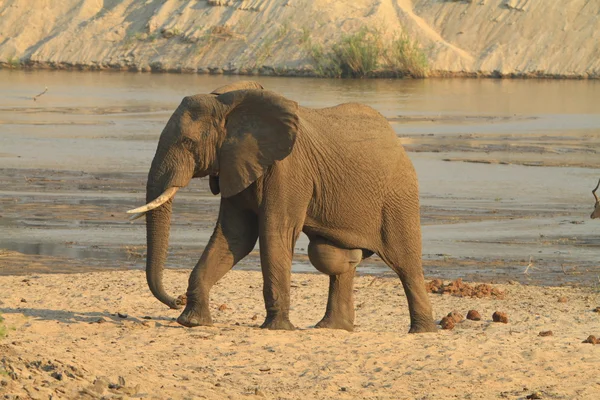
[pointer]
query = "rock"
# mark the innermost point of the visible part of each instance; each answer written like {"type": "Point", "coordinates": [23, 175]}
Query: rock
{"type": "Point", "coordinates": [592, 340]}
{"type": "Point", "coordinates": [223, 307]}
{"type": "Point", "coordinates": [146, 317]}
{"type": "Point", "coordinates": [473, 315]}
{"type": "Point", "coordinates": [545, 333]}
{"type": "Point", "coordinates": [57, 375]}
{"type": "Point", "coordinates": [562, 299]}
{"type": "Point", "coordinates": [121, 315]}
{"type": "Point", "coordinates": [100, 320]}
{"type": "Point", "coordinates": [597, 309]}
{"type": "Point", "coordinates": [500, 316]}
{"type": "Point", "coordinates": [23, 301]}
{"type": "Point", "coordinates": [456, 316]}
{"type": "Point", "coordinates": [447, 323]}
{"type": "Point", "coordinates": [254, 317]}
{"type": "Point", "coordinates": [535, 395]}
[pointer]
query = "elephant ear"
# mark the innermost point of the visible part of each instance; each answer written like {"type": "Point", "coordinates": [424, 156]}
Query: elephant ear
{"type": "Point", "coordinates": [239, 85]}
{"type": "Point", "coordinates": [261, 128]}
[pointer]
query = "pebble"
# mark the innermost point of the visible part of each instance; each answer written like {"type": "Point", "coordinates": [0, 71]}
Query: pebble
{"type": "Point", "coordinates": [500, 316]}
{"type": "Point", "coordinates": [474, 315]}
{"type": "Point", "coordinates": [456, 316]}
{"type": "Point", "coordinates": [447, 323]}
{"type": "Point", "coordinates": [545, 333]}
{"type": "Point", "coordinates": [592, 339]}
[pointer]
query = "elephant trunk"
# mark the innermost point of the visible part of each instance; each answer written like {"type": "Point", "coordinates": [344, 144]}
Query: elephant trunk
{"type": "Point", "coordinates": [158, 225]}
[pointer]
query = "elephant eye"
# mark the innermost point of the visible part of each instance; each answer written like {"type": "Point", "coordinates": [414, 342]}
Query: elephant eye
{"type": "Point", "coordinates": [188, 143]}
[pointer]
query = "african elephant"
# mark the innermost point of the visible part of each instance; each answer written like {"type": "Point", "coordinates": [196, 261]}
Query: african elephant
{"type": "Point", "coordinates": [338, 174]}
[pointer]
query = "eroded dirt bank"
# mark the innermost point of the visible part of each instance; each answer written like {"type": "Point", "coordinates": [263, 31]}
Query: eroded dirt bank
{"type": "Point", "coordinates": [460, 38]}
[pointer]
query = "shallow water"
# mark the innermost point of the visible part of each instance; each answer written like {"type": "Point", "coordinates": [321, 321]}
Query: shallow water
{"type": "Point", "coordinates": [76, 158]}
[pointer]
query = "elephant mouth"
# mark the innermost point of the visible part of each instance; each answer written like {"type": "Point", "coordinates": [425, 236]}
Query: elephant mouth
{"type": "Point", "coordinates": [159, 201]}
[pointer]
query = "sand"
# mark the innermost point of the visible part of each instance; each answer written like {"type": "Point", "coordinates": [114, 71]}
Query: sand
{"type": "Point", "coordinates": [64, 339]}
{"type": "Point", "coordinates": [528, 38]}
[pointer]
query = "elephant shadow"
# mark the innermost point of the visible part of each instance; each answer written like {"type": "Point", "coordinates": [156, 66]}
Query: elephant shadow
{"type": "Point", "coordinates": [74, 317]}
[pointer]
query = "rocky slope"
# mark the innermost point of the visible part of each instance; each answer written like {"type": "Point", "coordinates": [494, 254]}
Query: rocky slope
{"type": "Point", "coordinates": [459, 38]}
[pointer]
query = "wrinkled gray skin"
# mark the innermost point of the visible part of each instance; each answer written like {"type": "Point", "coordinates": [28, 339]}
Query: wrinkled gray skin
{"type": "Point", "coordinates": [337, 174]}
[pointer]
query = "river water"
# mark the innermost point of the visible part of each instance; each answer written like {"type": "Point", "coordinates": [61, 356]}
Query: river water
{"type": "Point", "coordinates": [505, 166]}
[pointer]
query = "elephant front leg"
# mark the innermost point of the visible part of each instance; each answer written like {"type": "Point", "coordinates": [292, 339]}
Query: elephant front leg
{"type": "Point", "coordinates": [234, 237]}
{"type": "Point", "coordinates": [276, 250]}
{"type": "Point", "coordinates": [340, 303]}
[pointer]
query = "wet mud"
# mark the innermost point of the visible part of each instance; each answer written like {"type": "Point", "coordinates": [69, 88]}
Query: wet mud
{"type": "Point", "coordinates": [505, 196]}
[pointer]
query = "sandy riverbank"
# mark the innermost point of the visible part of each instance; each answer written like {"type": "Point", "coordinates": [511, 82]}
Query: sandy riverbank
{"type": "Point", "coordinates": [498, 38]}
{"type": "Point", "coordinates": [65, 339]}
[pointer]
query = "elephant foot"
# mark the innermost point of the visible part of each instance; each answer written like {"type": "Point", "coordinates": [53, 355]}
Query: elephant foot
{"type": "Point", "coordinates": [192, 316]}
{"type": "Point", "coordinates": [278, 323]}
{"type": "Point", "coordinates": [335, 323]}
{"type": "Point", "coordinates": [423, 327]}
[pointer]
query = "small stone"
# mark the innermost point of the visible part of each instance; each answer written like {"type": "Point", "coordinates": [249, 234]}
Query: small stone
{"type": "Point", "coordinates": [343, 389]}
{"type": "Point", "coordinates": [592, 340]}
{"type": "Point", "coordinates": [535, 395]}
{"type": "Point", "coordinates": [545, 333]}
{"type": "Point", "coordinates": [3, 383]}
{"type": "Point", "coordinates": [122, 315]}
{"type": "Point", "coordinates": [100, 320]}
{"type": "Point", "coordinates": [447, 323]}
{"type": "Point", "coordinates": [264, 369]}
{"type": "Point", "coordinates": [474, 315]}
{"type": "Point", "coordinates": [258, 392]}
{"type": "Point", "coordinates": [456, 316]}
{"type": "Point", "coordinates": [254, 317]}
{"type": "Point", "coordinates": [23, 301]}
{"type": "Point", "coordinates": [223, 307]}
{"type": "Point", "coordinates": [562, 299]}
{"type": "Point", "coordinates": [500, 316]}
{"type": "Point", "coordinates": [57, 375]}
{"type": "Point", "coordinates": [597, 309]}
{"type": "Point", "coordinates": [146, 317]}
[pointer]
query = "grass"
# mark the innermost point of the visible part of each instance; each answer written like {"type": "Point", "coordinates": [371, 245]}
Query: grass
{"type": "Point", "coordinates": [405, 57]}
{"type": "Point", "coordinates": [3, 328]}
{"type": "Point", "coordinates": [13, 62]}
{"type": "Point", "coordinates": [365, 53]}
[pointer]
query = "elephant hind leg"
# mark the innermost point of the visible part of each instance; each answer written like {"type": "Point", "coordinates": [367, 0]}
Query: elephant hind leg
{"type": "Point", "coordinates": [407, 264]}
{"type": "Point", "coordinates": [402, 253]}
{"type": "Point", "coordinates": [340, 264]}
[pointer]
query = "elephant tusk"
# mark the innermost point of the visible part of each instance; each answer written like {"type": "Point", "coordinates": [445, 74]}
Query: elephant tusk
{"type": "Point", "coordinates": [136, 216]}
{"type": "Point", "coordinates": [159, 201]}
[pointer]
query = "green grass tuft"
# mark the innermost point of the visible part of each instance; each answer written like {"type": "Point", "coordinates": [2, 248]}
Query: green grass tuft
{"type": "Point", "coordinates": [3, 328]}
{"type": "Point", "coordinates": [366, 54]}
{"type": "Point", "coordinates": [405, 57]}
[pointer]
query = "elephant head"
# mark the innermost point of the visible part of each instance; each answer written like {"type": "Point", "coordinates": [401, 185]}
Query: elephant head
{"type": "Point", "coordinates": [596, 212]}
{"type": "Point", "coordinates": [233, 134]}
